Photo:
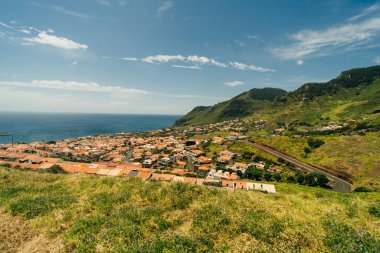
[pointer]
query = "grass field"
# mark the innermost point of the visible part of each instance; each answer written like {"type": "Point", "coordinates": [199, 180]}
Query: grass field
{"type": "Point", "coordinates": [80, 213]}
{"type": "Point", "coordinates": [356, 155]}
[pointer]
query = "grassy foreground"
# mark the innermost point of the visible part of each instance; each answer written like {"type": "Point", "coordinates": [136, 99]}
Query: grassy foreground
{"type": "Point", "coordinates": [42, 212]}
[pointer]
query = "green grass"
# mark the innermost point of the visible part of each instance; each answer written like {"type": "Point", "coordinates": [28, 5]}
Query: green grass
{"type": "Point", "coordinates": [355, 155]}
{"type": "Point", "coordinates": [89, 213]}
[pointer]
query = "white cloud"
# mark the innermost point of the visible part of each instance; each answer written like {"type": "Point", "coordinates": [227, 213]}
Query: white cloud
{"type": "Point", "coordinates": [163, 58]}
{"type": "Point", "coordinates": [5, 25]}
{"type": "Point", "coordinates": [92, 87]}
{"type": "Point", "coordinates": [74, 63]}
{"type": "Point", "coordinates": [164, 7]}
{"type": "Point", "coordinates": [202, 60]}
{"type": "Point", "coordinates": [242, 66]}
{"type": "Point", "coordinates": [300, 62]}
{"type": "Point", "coordinates": [234, 83]}
{"type": "Point", "coordinates": [110, 2]}
{"type": "Point", "coordinates": [71, 12]}
{"type": "Point", "coordinates": [348, 36]}
{"type": "Point", "coordinates": [367, 11]}
{"type": "Point", "coordinates": [376, 60]}
{"type": "Point", "coordinates": [252, 37]}
{"type": "Point", "coordinates": [218, 64]}
{"type": "Point", "coordinates": [25, 31]}
{"type": "Point", "coordinates": [186, 67]}
{"type": "Point", "coordinates": [240, 43]}
{"type": "Point", "coordinates": [130, 59]}
{"type": "Point", "coordinates": [73, 86]}
{"type": "Point", "coordinates": [44, 38]}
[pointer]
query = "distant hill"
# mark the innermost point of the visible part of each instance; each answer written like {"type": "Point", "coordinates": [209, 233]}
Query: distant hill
{"type": "Point", "coordinates": [240, 106]}
{"type": "Point", "coordinates": [353, 94]}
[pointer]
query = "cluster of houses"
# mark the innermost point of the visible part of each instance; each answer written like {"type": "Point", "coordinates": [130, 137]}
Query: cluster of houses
{"type": "Point", "coordinates": [161, 155]}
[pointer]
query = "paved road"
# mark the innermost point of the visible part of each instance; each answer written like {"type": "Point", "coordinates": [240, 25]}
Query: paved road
{"type": "Point", "coordinates": [337, 183]}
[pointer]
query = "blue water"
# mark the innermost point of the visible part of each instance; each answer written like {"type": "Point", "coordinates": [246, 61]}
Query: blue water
{"type": "Point", "coordinates": [30, 127]}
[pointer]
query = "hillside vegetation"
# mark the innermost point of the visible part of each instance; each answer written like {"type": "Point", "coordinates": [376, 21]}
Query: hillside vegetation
{"type": "Point", "coordinates": [353, 95]}
{"type": "Point", "coordinates": [356, 156]}
{"type": "Point", "coordinates": [42, 212]}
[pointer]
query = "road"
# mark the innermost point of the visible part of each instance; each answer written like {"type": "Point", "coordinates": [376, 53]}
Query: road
{"type": "Point", "coordinates": [336, 183]}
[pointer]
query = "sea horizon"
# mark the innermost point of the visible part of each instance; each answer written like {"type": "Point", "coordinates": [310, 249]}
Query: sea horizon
{"type": "Point", "coordinates": [26, 127]}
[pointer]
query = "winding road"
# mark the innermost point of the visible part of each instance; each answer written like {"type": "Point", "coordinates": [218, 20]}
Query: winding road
{"type": "Point", "coordinates": [336, 183]}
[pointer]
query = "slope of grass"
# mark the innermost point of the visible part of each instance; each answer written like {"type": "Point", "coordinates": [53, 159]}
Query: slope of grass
{"type": "Point", "coordinates": [338, 104]}
{"type": "Point", "coordinates": [102, 214]}
{"type": "Point", "coordinates": [355, 155]}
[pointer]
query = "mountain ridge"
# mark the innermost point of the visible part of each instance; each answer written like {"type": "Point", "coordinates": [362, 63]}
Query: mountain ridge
{"type": "Point", "coordinates": [350, 82]}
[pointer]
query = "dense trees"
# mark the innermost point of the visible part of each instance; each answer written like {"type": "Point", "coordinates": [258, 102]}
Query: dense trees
{"type": "Point", "coordinates": [309, 179]}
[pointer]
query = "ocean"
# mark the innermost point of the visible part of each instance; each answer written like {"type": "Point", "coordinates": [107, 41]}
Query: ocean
{"type": "Point", "coordinates": [30, 127]}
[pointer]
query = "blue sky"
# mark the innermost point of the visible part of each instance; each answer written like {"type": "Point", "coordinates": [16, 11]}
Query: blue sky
{"type": "Point", "coordinates": [165, 57]}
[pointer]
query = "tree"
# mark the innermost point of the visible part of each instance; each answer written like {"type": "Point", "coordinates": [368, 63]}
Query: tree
{"type": "Point", "coordinates": [315, 143]}
{"type": "Point", "coordinates": [322, 180]}
{"type": "Point", "coordinates": [290, 179]}
{"type": "Point", "coordinates": [277, 177]}
{"type": "Point", "coordinates": [257, 174]}
{"type": "Point", "coordinates": [253, 173]}
{"type": "Point", "coordinates": [300, 178]}
{"type": "Point", "coordinates": [310, 179]}
{"type": "Point", "coordinates": [267, 176]}
{"type": "Point", "coordinates": [248, 155]}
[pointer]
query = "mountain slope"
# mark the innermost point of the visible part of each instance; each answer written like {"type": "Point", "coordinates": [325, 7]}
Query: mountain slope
{"type": "Point", "coordinates": [353, 94]}
{"type": "Point", "coordinates": [240, 106]}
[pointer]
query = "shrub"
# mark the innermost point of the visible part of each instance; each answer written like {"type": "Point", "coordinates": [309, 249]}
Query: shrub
{"type": "Point", "coordinates": [315, 143]}
{"type": "Point", "coordinates": [300, 178]}
{"type": "Point", "coordinates": [277, 177]}
{"type": "Point", "coordinates": [268, 176]}
{"type": "Point", "coordinates": [322, 180]}
{"type": "Point", "coordinates": [310, 179]}
{"type": "Point", "coordinates": [374, 210]}
{"type": "Point", "coordinates": [363, 189]}
{"type": "Point", "coordinates": [56, 169]}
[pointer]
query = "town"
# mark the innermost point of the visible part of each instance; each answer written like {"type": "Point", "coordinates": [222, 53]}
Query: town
{"type": "Point", "coordinates": [172, 154]}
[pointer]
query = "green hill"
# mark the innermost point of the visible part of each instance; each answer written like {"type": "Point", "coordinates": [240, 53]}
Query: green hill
{"type": "Point", "coordinates": [353, 95]}
{"type": "Point", "coordinates": [242, 105]}
{"type": "Point", "coordinates": [41, 212]}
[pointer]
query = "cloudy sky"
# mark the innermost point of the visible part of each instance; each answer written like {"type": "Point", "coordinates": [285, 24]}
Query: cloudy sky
{"type": "Point", "coordinates": [167, 56]}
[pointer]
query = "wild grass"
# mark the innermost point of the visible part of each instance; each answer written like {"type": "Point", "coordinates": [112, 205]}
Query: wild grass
{"type": "Point", "coordinates": [104, 214]}
{"type": "Point", "coordinates": [355, 155]}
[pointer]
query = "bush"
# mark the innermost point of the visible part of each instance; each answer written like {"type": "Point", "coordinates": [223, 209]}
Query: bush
{"type": "Point", "coordinates": [362, 189]}
{"type": "Point", "coordinates": [310, 179]}
{"type": "Point", "coordinates": [315, 143]}
{"type": "Point", "coordinates": [374, 210]}
{"type": "Point", "coordinates": [277, 177]}
{"type": "Point", "coordinates": [322, 180]}
{"type": "Point", "coordinates": [253, 173]}
{"type": "Point", "coordinates": [300, 178]}
{"type": "Point", "coordinates": [56, 169]}
{"type": "Point", "coordinates": [307, 150]}
{"type": "Point", "coordinates": [268, 176]}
